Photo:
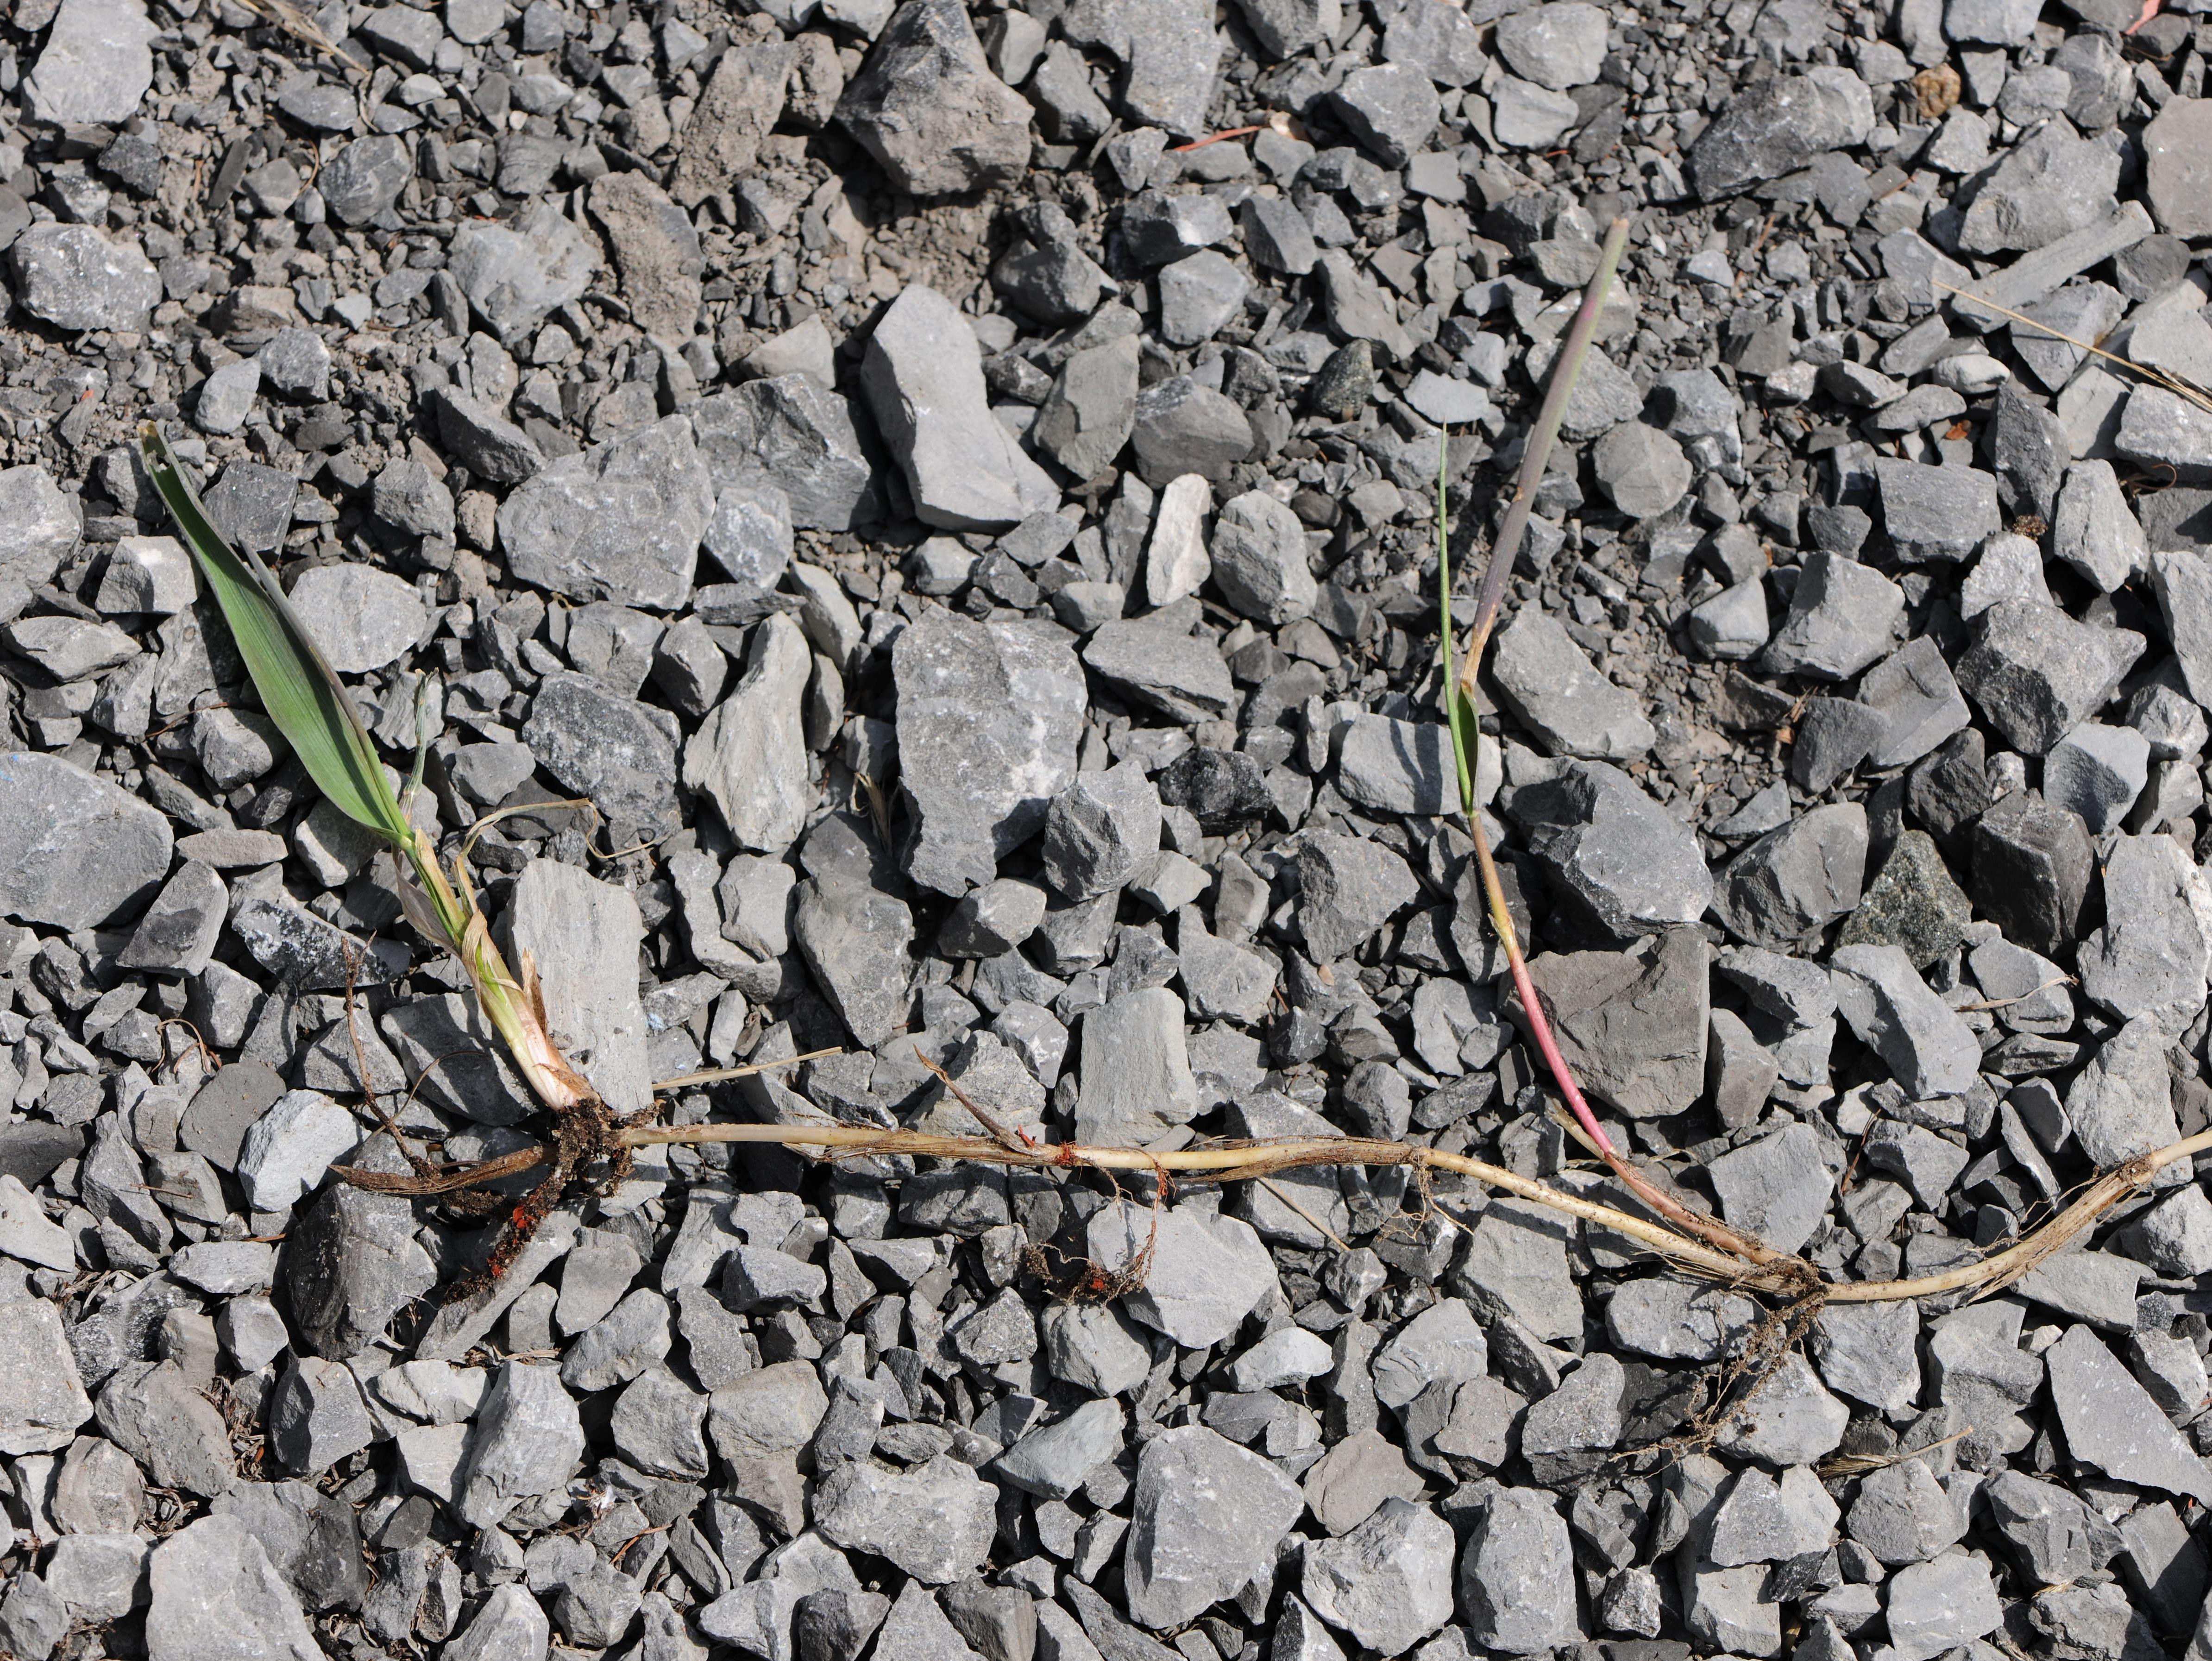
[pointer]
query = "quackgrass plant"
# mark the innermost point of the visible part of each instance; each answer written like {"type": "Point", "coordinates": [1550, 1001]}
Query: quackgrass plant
{"type": "Point", "coordinates": [312, 707]}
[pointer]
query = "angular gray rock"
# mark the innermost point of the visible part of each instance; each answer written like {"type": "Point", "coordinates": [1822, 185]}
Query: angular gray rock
{"type": "Point", "coordinates": [927, 107]}
{"type": "Point", "coordinates": [1517, 1580]}
{"type": "Point", "coordinates": [1092, 407]}
{"type": "Point", "coordinates": [585, 935]}
{"type": "Point", "coordinates": [934, 1520]}
{"type": "Point", "coordinates": [2036, 674]}
{"type": "Point", "coordinates": [1778, 1187]}
{"type": "Point", "coordinates": [95, 66]}
{"type": "Point", "coordinates": [1207, 1517]}
{"type": "Point", "coordinates": [77, 277]}
{"type": "Point", "coordinates": [42, 1399]}
{"type": "Point", "coordinates": [1205, 1275]}
{"type": "Point", "coordinates": [923, 379]}
{"type": "Point", "coordinates": [1350, 888]}
{"type": "Point", "coordinates": [855, 940]}
{"type": "Point", "coordinates": [1164, 668]}
{"type": "Point", "coordinates": [1626, 860]}
{"type": "Point", "coordinates": [514, 277]}
{"type": "Point", "coordinates": [1798, 878]}
{"type": "Point", "coordinates": [214, 1591]}
{"type": "Point", "coordinates": [1842, 615]}
{"type": "Point", "coordinates": [788, 434]}
{"type": "Point", "coordinates": [2155, 951]}
{"type": "Point", "coordinates": [749, 756]}
{"type": "Point", "coordinates": [1928, 1049]}
{"type": "Point", "coordinates": [1259, 553]}
{"type": "Point", "coordinates": [1101, 832]}
{"type": "Point", "coordinates": [1547, 680]}
{"type": "Point", "coordinates": [1632, 1024]}
{"type": "Point", "coordinates": [988, 719]}
{"type": "Point", "coordinates": [1776, 126]}
{"type": "Point", "coordinates": [1388, 1582]}
{"type": "Point", "coordinates": [621, 520]}
{"type": "Point", "coordinates": [526, 1441]}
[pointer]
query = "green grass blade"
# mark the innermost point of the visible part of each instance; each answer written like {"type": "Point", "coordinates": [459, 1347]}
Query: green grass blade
{"type": "Point", "coordinates": [1457, 716]}
{"type": "Point", "coordinates": [299, 688]}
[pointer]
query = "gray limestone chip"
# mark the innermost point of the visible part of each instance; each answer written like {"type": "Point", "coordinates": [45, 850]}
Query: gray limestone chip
{"type": "Point", "coordinates": [2120, 1104]}
{"type": "Point", "coordinates": [1350, 887]}
{"type": "Point", "coordinates": [1207, 1518]}
{"type": "Point", "coordinates": [1778, 1188]}
{"type": "Point", "coordinates": [927, 107]}
{"type": "Point", "coordinates": [855, 940]}
{"type": "Point", "coordinates": [1515, 1264]}
{"type": "Point", "coordinates": [1919, 701]}
{"type": "Point", "coordinates": [2095, 531]}
{"type": "Point", "coordinates": [1168, 52]}
{"type": "Point", "coordinates": [1205, 1275]}
{"type": "Point", "coordinates": [1178, 673]}
{"type": "Point", "coordinates": [1627, 860]}
{"type": "Point", "coordinates": [1870, 1353]}
{"type": "Point", "coordinates": [749, 756]}
{"type": "Point", "coordinates": [2051, 183]}
{"type": "Point", "coordinates": [1641, 468]}
{"type": "Point", "coordinates": [364, 178]}
{"type": "Point", "coordinates": [1762, 1520]}
{"type": "Point", "coordinates": [1929, 1050]}
{"type": "Point", "coordinates": [1902, 1515]}
{"type": "Point", "coordinates": [607, 747]}
{"type": "Point", "coordinates": [1842, 615]}
{"type": "Point", "coordinates": [1136, 1079]}
{"type": "Point", "coordinates": [791, 434]}
{"type": "Point", "coordinates": [621, 520]}
{"type": "Point", "coordinates": [1560, 45]}
{"type": "Point", "coordinates": [1398, 766]}
{"type": "Point", "coordinates": [2155, 951]}
{"type": "Point", "coordinates": [585, 935]}
{"type": "Point", "coordinates": [1777, 125]}
{"type": "Point", "coordinates": [1388, 1582]}
{"type": "Point", "coordinates": [514, 276]}
{"type": "Point", "coordinates": [2097, 771]}
{"type": "Point", "coordinates": [1101, 832]}
{"type": "Point", "coordinates": [2037, 674]}
{"type": "Point", "coordinates": [40, 524]}
{"type": "Point", "coordinates": [1089, 415]}
{"type": "Point", "coordinates": [1632, 1025]}
{"type": "Point", "coordinates": [1674, 1320]}
{"type": "Point", "coordinates": [83, 849]}
{"type": "Point", "coordinates": [213, 1590]}
{"type": "Point", "coordinates": [1053, 1462]}
{"type": "Point", "coordinates": [1798, 878]}
{"type": "Point", "coordinates": [924, 378]}
{"type": "Point", "coordinates": [1391, 108]}
{"type": "Point", "coordinates": [1793, 1422]}
{"type": "Point", "coordinates": [1940, 1605]}
{"type": "Point", "coordinates": [95, 66]}
{"type": "Point", "coordinates": [77, 277]}
{"type": "Point", "coordinates": [1547, 680]}
{"type": "Point", "coordinates": [1182, 425]}
{"type": "Point", "coordinates": [2183, 580]}
{"type": "Point", "coordinates": [526, 1441]}
{"type": "Point", "coordinates": [934, 1520]}
{"type": "Point", "coordinates": [1259, 553]}
{"type": "Point", "coordinates": [656, 251]}
{"type": "Point", "coordinates": [42, 1399]}
{"type": "Point", "coordinates": [1516, 1578]}
{"type": "Point", "coordinates": [989, 718]}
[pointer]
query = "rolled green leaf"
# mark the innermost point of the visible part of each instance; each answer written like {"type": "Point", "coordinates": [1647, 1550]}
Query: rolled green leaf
{"type": "Point", "coordinates": [299, 690]}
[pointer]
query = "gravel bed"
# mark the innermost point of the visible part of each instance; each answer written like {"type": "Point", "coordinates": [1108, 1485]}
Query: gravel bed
{"type": "Point", "coordinates": [952, 488]}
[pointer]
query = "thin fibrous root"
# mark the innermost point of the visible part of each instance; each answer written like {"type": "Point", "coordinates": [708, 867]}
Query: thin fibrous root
{"type": "Point", "coordinates": [1783, 1277]}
